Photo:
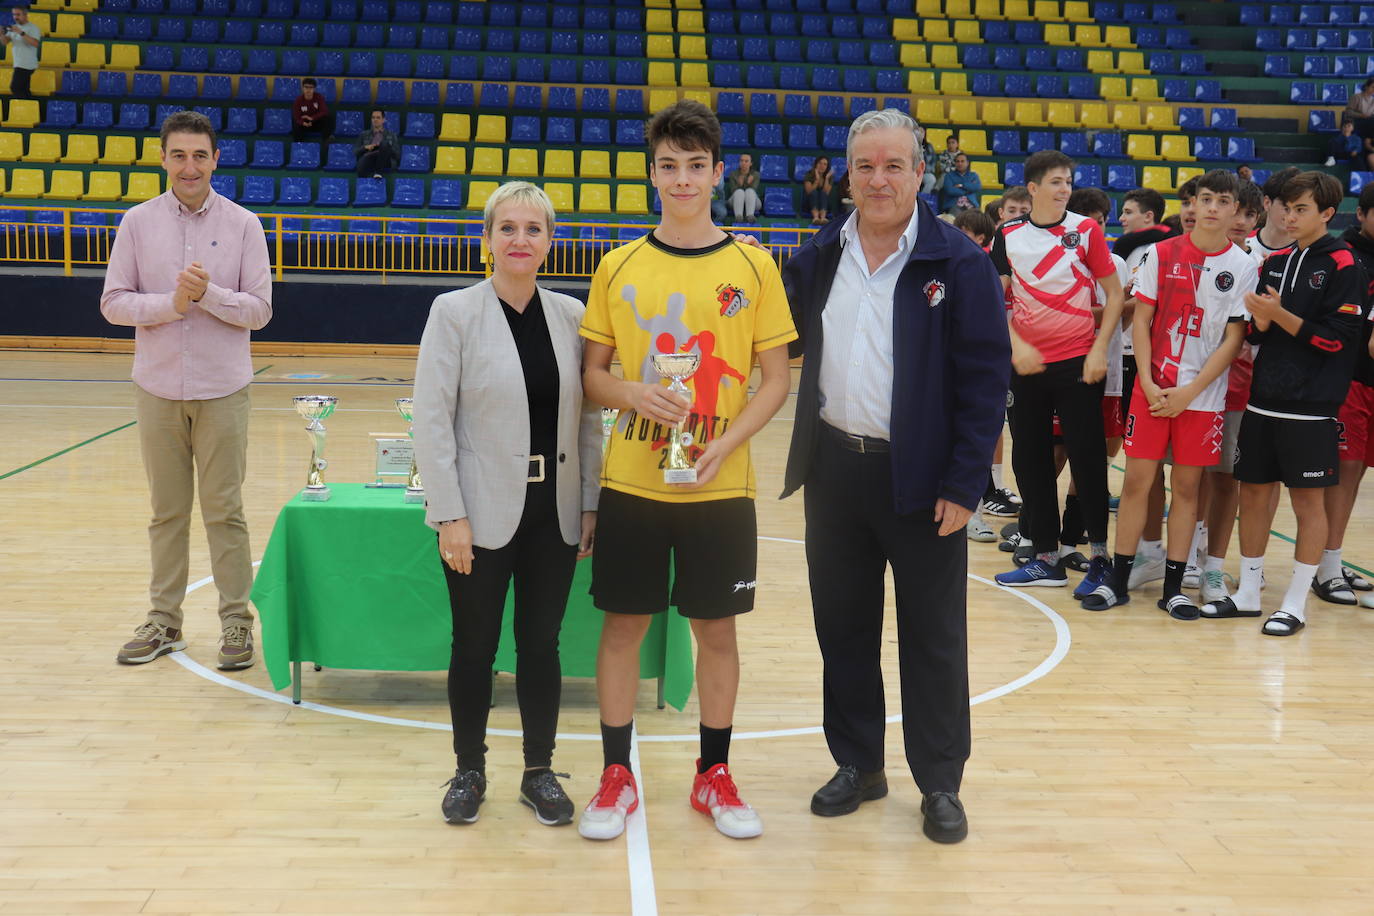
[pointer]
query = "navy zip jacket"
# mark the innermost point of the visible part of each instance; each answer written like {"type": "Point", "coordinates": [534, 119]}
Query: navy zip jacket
{"type": "Point", "coordinates": [951, 363]}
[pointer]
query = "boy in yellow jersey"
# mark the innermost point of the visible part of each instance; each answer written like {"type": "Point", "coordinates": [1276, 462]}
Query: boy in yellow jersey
{"type": "Point", "coordinates": [687, 288]}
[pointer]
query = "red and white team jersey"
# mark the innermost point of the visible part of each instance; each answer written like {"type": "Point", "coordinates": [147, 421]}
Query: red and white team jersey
{"type": "Point", "coordinates": [1053, 271]}
{"type": "Point", "coordinates": [1195, 295]}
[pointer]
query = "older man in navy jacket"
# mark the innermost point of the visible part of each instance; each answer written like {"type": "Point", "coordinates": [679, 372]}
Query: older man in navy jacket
{"type": "Point", "coordinates": [901, 401]}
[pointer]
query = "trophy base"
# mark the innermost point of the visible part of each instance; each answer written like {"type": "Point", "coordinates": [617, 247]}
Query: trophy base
{"type": "Point", "coordinates": [680, 475]}
{"type": "Point", "coordinates": [315, 494]}
{"type": "Point", "coordinates": [415, 496]}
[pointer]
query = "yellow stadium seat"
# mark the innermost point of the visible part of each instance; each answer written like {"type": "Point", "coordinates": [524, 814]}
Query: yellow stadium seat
{"type": "Point", "coordinates": [920, 82]}
{"type": "Point", "coordinates": [691, 47]}
{"type": "Point", "coordinates": [958, 9]}
{"type": "Point", "coordinates": [42, 20]}
{"type": "Point", "coordinates": [936, 136]}
{"type": "Point", "coordinates": [631, 166]}
{"type": "Point", "coordinates": [997, 113]}
{"type": "Point", "coordinates": [693, 75]}
{"type": "Point", "coordinates": [954, 84]}
{"type": "Point", "coordinates": [690, 21]}
{"type": "Point", "coordinates": [491, 129]}
{"type": "Point", "coordinates": [594, 164]}
{"type": "Point", "coordinates": [1157, 177]}
{"type": "Point", "coordinates": [936, 30]}
{"type": "Point", "coordinates": [82, 6]}
{"type": "Point", "coordinates": [120, 151]}
{"type": "Point", "coordinates": [930, 111]}
{"type": "Point", "coordinates": [1101, 61]}
{"type": "Point", "coordinates": [82, 149]}
{"type": "Point", "coordinates": [906, 30]}
{"type": "Point", "coordinates": [523, 163]}
{"type": "Point", "coordinates": [1184, 173]}
{"type": "Point", "coordinates": [451, 160]}
{"type": "Point", "coordinates": [26, 183]}
{"type": "Point", "coordinates": [104, 186]}
{"type": "Point", "coordinates": [1174, 148]}
{"type": "Point", "coordinates": [662, 73]}
{"type": "Point", "coordinates": [1047, 11]}
{"type": "Point", "coordinates": [987, 173]}
{"type": "Point", "coordinates": [930, 9]}
{"type": "Point", "coordinates": [24, 113]}
{"type": "Point", "coordinates": [594, 198]}
{"type": "Point", "coordinates": [11, 147]}
{"type": "Point", "coordinates": [558, 163]}
{"type": "Point", "coordinates": [1117, 36]}
{"type": "Point", "coordinates": [90, 56]}
{"type": "Point", "coordinates": [1141, 146]}
{"type": "Point", "coordinates": [963, 111]}
{"type": "Point", "coordinates": [455, 128]}
{"type": "Point", "coordinates": [69, 25]}
{"type": "Point", "coordinates": [66, 184]}
{"type": "Point", "coordinates": [1160, 117]}
{"type": "Point", "coordinates": [1145, 90]}
{"type": "Point", "coordinates": [1029, 114]}
{"type": "Point", "coordinates": [1057, 33]}
{"type": "Point", "coordinates": [631, 198]}
{"type": "Point", "coordinates": [1094, 116]}
{"type": "Point", "coordinates": [1113, 88]}
{"type": "Point", "coordinates": [152, 152]}
{"type": "Point", "coordinates": [44, 82]}
{"type": "Point", "coordinates": [1060, 114]}
{"type": "Point", "coordinates": [1077, 11]}
{"type": "Point", "coordinates": [967, 32]}
{"type": "Point", "coordinates": [44, 148]}
{"type": "Point", "coordinates": [698, 95]}
{"type": "Point", "coordinates": [974, 142]}
{"type": "Point", "coordinates": [143, 186]}
{"type": "Point", "coordinates": [478, 192]}
{"type": "Point", "coordinates": [658, 21]}
{"type": "Point", "coordinates": [55, 54]}
{"type": "Point", "coordinates": [912, 56]}
{"type": "Point", "coordinates": [1016, 10]}
{"type": "Point", "coordinates": [660, 99]}
{"type": "Point", "coordinates": [54, 5]}
{"type": "Point", "coordinates": [1087, 36]}
{"type": "Point", "coordinates": [985, 10]}
{"type": "Point", "coordinates": [659, 46]}
{"type": "Point", "coordinates": [1127, 117]}
{"type": "Point", "coordinates": [1172, 206]}
{"type": "Point", "coordinates": [124, 57]}
{"type": "Point", "coordinates": [945, 57]}
{"type": "Point", "coordinates": [560, 195]}
{"type": "Point", "coordinates": [1131, 62]}
{"type": "Point", "coordinates": [487, 160]}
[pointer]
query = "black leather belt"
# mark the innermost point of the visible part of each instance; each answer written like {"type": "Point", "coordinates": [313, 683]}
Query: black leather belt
{"type": "Point", "coordinates": [861, 444]}
{"type": "Point", "coordinates": [536, 469]}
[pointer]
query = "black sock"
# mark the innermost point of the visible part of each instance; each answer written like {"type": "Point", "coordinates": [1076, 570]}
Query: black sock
{"type": "Point", "coordinates": [1121, 573]}
{"type": "Point", "coordinates": [715, 747]}
{"type": "Point", "coordinates": [1173, 577]}
{"type": "Point", "coordinates": [615, 743]}
{"type": "Point", "coordinates": [1071, 530]}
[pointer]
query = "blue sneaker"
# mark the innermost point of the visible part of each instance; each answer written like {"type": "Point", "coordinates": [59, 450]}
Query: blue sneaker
{"type": "Point", "coordinates": [1099, 573]}
{"type": "Point", "coordinates": [1036, 572]}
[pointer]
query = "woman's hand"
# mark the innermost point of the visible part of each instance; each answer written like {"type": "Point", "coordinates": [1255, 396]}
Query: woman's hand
{"type": "Point", "coordinates": [660, 405]}
{"type": "Point", "coordinates": [584, 547]}
{"type": "Point", "coordinates": [455, 545]}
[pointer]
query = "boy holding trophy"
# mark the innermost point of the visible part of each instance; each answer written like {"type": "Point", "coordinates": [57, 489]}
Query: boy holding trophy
{"type": "Point", "coordinates": [695, 306]}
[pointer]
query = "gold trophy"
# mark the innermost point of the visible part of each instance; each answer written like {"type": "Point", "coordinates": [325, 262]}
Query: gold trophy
{"type": "Point", "coordinates": [678, 366]}
{"type": "Point", "coordinates": [415, 493]}
{"type": "Point", "coordinates": [315, 407]}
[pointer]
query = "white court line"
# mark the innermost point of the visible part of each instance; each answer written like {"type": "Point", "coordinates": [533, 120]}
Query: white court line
{"type": "Point", "coordinates": [643, 897]}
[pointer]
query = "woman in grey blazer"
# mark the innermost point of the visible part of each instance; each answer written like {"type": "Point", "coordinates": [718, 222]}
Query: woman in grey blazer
{"type": "Point", "coordinates": [510, 454]}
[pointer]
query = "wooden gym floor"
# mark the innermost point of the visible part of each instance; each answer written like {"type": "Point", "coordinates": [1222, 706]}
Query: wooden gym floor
{"type": "Point", "coordinates": [1123, 762]}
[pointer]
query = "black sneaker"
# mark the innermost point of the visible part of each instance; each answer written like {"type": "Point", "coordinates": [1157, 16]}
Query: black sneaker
{"type": "Point", "coordinates": [998, 502]}
{"type": "Point", "coordinates": [540, 790]}
{"type": "Point", "coordinates": [1009, 529]}
{"type": "Point", "coordinates": [466, 790]}
{"type": "Point", "coordinates": [1012, 542]}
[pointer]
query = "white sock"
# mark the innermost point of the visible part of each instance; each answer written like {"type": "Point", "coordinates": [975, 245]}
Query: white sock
{"type": "Point", "coordinates": [1150, 550]}
{"type": "Point", "coordinates": [1212, 564]}
{"type": "Point", "coordinates": [1199, 545]}
{"type": "Point", "coordinates": [1295, 599]}
{"type": "Point", "coordinates": [1066, 549]}
{"type": "Point", "coordinates": [1330, 566]}
{"type": "Point", "coordinates": [997, 476]}
{"type": "Point", "coordinates": [1247, 597]}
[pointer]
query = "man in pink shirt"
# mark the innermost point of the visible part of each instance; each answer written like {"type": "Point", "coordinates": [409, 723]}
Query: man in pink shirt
{"type": "Point", "coordinates": [189, 271]}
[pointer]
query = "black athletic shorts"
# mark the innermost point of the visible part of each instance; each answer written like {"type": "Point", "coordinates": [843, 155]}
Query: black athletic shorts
{"type": "Point", "coordinates": [1301, 453]}
{"type": "Point", "coordinates": [713, 547]}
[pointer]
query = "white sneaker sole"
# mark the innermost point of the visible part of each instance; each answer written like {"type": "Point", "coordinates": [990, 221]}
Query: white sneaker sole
{"type": "Point", "coordinates": [153, 654]}
{"type": "Point", "coordinates": [1036, 583]}
{"type": "Point", "coordinates": [601, 830]}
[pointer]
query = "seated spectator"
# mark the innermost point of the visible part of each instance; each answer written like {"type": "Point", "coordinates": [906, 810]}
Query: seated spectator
{"type": "Point", "coordinates": [742, 190]}
{"type": "Point", "coordinates": [928, 156]}
{"type": "Point", "coordinates": [1360, 108]}
{"type": "Point", "coordinates": [378, 150]}
{"type": "Point", "coordinates": [945, 163]}
{"type": "Point", "coordinates": [961, 189]}
{"type": "Point", "coordinates": [1244, 172]}
{"type": "Point", "coordinates": [977, 225]}
{"type": "Point", "coordinates": [718, 209]}
{"type": "Point", "coordinates": [1349, 148]}
{"type": "Point", "coordinates": [816, 187]}
{"type": "Point", "coordinates": [310, 115]}
{"type": "Point", "coordinates": [841, 200]}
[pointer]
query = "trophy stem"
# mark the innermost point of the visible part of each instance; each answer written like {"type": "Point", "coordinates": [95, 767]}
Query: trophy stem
{"type": "Point", "coordinates": [316, 490]}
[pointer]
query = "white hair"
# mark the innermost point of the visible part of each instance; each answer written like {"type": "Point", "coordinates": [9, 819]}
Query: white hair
{"type": "Point", "coordinates": [882, 119]}
{"type": "Point", "coordinates": [518, 192]}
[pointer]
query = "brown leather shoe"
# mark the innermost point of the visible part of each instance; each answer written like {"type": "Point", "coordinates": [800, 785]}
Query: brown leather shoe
{"type": "Point", "coordinates": [236, 647]}
{"type": "Point", "coordinates": [150, 641]}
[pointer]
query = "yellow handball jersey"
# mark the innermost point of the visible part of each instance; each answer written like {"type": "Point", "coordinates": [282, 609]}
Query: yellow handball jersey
{"type": "Point", "coordinates": [725, 303]}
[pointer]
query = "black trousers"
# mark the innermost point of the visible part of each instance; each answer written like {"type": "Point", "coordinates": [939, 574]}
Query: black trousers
{"type": "Point", "coordinates": [542, 566]}
{"type": "Point", "coordinates": [322, 129]}
{"type": "Point", "coordinates": [1035, 400]}
{"type": "Point", "coordinates": [374, 163]}
{"type": "Point", "coordinates": [19, 84]}
{"type": "Point", "coordinates": [852, 535]}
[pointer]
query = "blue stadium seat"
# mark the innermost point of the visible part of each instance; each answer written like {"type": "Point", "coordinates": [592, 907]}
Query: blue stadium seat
{"type": "Point", "coordinates": [1321, 122]}
{"type": "Point", "coordinates": [1162, 63]}
{"type": "Point", "coordinates": [419, 125]}
{"type": "Point", "coordinates": [216, 89]}
{"type": "Point", "coordinates": [116, 84]}
{"type": "Point", "coordinates": [629, 72]}
{"type": "Point", "coordinates": [242, 121]}
{"type": "Point", "coordinates": [1302, 93]}
{"type": "Point", "coordinates": [1316, 65]}
{"type": "Point", "coordinates": [560, 130]}
{"type": "Point", "coordinates": [830, 107]}
{"type": "Point", "coordinates": [102, 27]}
{"type": "Point", "coordinates": [1224, 119]}
{"type": "Point", "coordinates": [295, 190]}
{"type": "Point", "coordinates": [138, 28]}
{"type": "Point", "coordinates": [1192, 64]}
{"type": "Point", "coordinates": [1348, 66]}
{"type": "Point", "coordinates": [1311, 14]}
{"type": "Point", "coordinates": [828, 79]}
{"type": "Point", "coordinates": [392, 93]}
{"type": "Point", "coordinates": [414, 158]}
{"type": "Point", "coordinates": [467, 40]}
{"type": "Point", "coordinates": [529, 69]}
{"type": "Point", "coordinates": [225, 186]}
{"type": "Point", "coordinates": [1028, 34]}
{"type": "Point", "coordinates": [1040, 58]}
{"type": "Point", "coordinates": [397, 64]}
{"type": "Point", "coordinates": [761, 76]}
{"type": "Point", "coordinates": [1176, 91]}
{"type": "Point", "coordinates": [238, 31]}
{"type": "Point", "coordinates": [1178, 39]}
{"type": "Point", "coordinates": [986, 84]}
{"type": "Point", "coordinates": [734, 134]}
{"type": "Point", "coordinates": [525, 129]}
{"type": "Point", "coordinates": [822, 52]}
{"type": "Point", "coordinates": [629, 132]}
{"type": "Point", "coordinates": [596, 131]}
{"type": "Point", "coordinates": [1083, 87]}
{"type": "Point", "coordinates": [1014, 174]}
{"type": "Point", "coordinates": [596, 71]}
{"type": "Point", "coordinates": [1335, 93]}
{"type": "Point", "coordinates": [778, 202]}
{"type": "Point", "coordinates": [1037, 140]}
{"type": "Point", "coordinates": [1208, 149]}
{"type": "Point", "coordinates": [1073, 143]}
{"type": "Point", "coordinates": [1020, 85]}
{"type": "Point", "coordinates": [424, 93]}
{"type": "Point", "coordinates": [799, 136]}
{"type": "Point", "coordinates": [763, 105]}
{"type": "Point", "coordinates": [272, 34]}
{"type": "Point", "coordinates": [1007, 58]}
{"type": "Point", "coordinates": [214, 113]}
{"type": "Point", "coordinates": [1207, 91]}
{"type": "Point", "coordinates": [1330, 39]}
{"type": "Point", "coordinates": [268, 154]}
{"type": "Point", "coordinates": [172, 29]}
{"type": "Point", "coordinates": [434, 38]}
{"type": "Point", "coordinates": [1241, 149]}
{"type": "Point", "coordinates": [276, 122]}
{"type": "Point", "coordinates": [133, 116]}
{"type": "Point", "coordinates": [356, 92]}
{"type": "Point", "coordinates": [773, 167]}
{"type": "Point", "coordinates": [768, 135]}
{"type": "Point", "coordinates": [835, 136]}
{"type": "Point", "coordinates": [327, 63]}
{"type": "Point", "coordinates": [977, 57]}
{"type": "Point", "coordinates": [1070, 59]}
{"type": "Point", "coordinates": [402, 36]}
{"type": "Point", "coordinates": [446, 194]}
{"type": "Point", "coordinates": [997, 33]}
{"type": "Point", "coordinates": [340, 158]}
{"type": "Point", "coordinates": [179, 86]}
{"type": "Point", "coordinates": [631, 101]}
{"type": "Point", "coordinates": [889, 81]}
{"type": "Point", "coordinates": [193, 60]}
{"type": "Point", "coordinates": [1107, 146]}
{"type": "Point", "coordinates": [1252, 14]}
{"type": "Point", "coordinates": [1277, 65]}
{"type": "Point", "coordinates": [1007, 143]}
{"type": "Point", "coordinates": [1358, 180]}
{"type": "Point", "coordinates": [493, 95]}
{"type": "Point", "coordinates": [251, 88]}
{"type": "Point", "coordinates": [304, 34]}
{"type": "Point", "coordinates": [723, 48]}
{"type": "Point", "coordinates": [796, 106]}
{"type": "Point", "coordinates": [78, 82]}
{"type": "Point", "coordinates": [883, 54]}
{"type": "Point", "coordinates": [364, 63]}
{"type": "Point", "coordinates": [854, 80]}
{"type": "Point", "coordinates": [1343, 15]}
{"type": "Point", "coordinates": [1191, 119]}
{"type": "Point", "coordinates": [1149, 37]}
{"type": "Point", "coordinates": [1122, 178]}
{"type": "Point", "coordinates": [784, 49]}
{"type": "Point", "coordinates": [233, 153]}
{"type": "Point", "coordinates": [368, 192]}
{"type": "Point", "coordinates": [792, 77]}
{"type": "Point", "coordinates": [1087, 176]}
{"type": "Point", "coordinates": [629, 45]}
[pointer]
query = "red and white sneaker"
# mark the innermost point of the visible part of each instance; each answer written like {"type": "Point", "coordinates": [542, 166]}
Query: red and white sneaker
{"type": "Point", "coordinates": [714, 793]}
{"type": "Point", "coordinates": [616, 799]}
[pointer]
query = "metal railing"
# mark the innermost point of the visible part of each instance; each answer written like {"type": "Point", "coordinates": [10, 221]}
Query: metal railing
{"type": "Point", "coordinates": [73, 237]}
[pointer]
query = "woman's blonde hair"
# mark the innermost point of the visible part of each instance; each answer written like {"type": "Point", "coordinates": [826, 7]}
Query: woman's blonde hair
{"type": "Point", "coordinates": [518, 192]}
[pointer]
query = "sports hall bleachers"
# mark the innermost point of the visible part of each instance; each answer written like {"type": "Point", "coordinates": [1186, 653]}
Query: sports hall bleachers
{"type": "Point", "coordinates": [557, 92]}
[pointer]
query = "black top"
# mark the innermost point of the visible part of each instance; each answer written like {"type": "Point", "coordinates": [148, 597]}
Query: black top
{"type": "Point", "coordinates": [531, 333]}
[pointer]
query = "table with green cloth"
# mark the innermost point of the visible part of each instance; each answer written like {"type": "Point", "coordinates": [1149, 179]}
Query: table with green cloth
{"type": "Point", "coordinates": [355, 582]}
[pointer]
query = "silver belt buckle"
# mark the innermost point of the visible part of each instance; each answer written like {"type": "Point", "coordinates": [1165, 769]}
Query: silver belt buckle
{"type": "Point", "coordinates": [859, 441]}
{"type": "Point", "coordinates": [539, 477]}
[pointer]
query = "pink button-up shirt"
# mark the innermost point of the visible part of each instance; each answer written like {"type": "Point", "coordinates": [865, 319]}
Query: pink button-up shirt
{"type": "Point", "coordinates": [204, 353]}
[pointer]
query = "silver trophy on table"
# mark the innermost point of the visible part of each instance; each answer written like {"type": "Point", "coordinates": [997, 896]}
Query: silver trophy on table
{"type": "Point", "coordinates": [678, 366]}
{"type": "Point", "coordinates": [315, 407]}
{"type": "Point", "coordinates": [415, 492]}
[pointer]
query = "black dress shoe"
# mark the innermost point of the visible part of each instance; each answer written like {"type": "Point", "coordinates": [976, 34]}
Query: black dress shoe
{"type": "Point", "coordinates": [944, 817]}
{"type": "Point", "coordinates": [846, 790]}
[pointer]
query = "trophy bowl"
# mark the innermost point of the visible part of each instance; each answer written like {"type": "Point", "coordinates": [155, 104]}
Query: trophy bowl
{"type": "Point", "coordinates": [676, 366]}
{"type": "Point", "coordinates": [406, 408]}
{"type": "Point", "coordinates": [315, 407]}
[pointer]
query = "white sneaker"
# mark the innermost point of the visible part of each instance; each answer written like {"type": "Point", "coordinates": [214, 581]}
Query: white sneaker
{"type": "Point", "coordinates": [714, 793]}
{"type": "Point", "coordinates": [1213, 586]}
{"type": "Point", "coordinates": [978, 530]}
{"type": "Point", "coordinates": [1192, 576]}
{"type": "Point", "coordinates": [1330, 161]}
{"type": "Point", "coordinates": [616, 798]}
{"type": "Point", "coordinates": [1150, 570]}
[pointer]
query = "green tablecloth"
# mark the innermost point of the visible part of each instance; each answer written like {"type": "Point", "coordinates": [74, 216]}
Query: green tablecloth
{"type": "Point", "coordinates": [353, 583]}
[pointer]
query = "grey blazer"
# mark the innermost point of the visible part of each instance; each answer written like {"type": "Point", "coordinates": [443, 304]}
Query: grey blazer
{"type": "Point", "coordinates": [472, 417]}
